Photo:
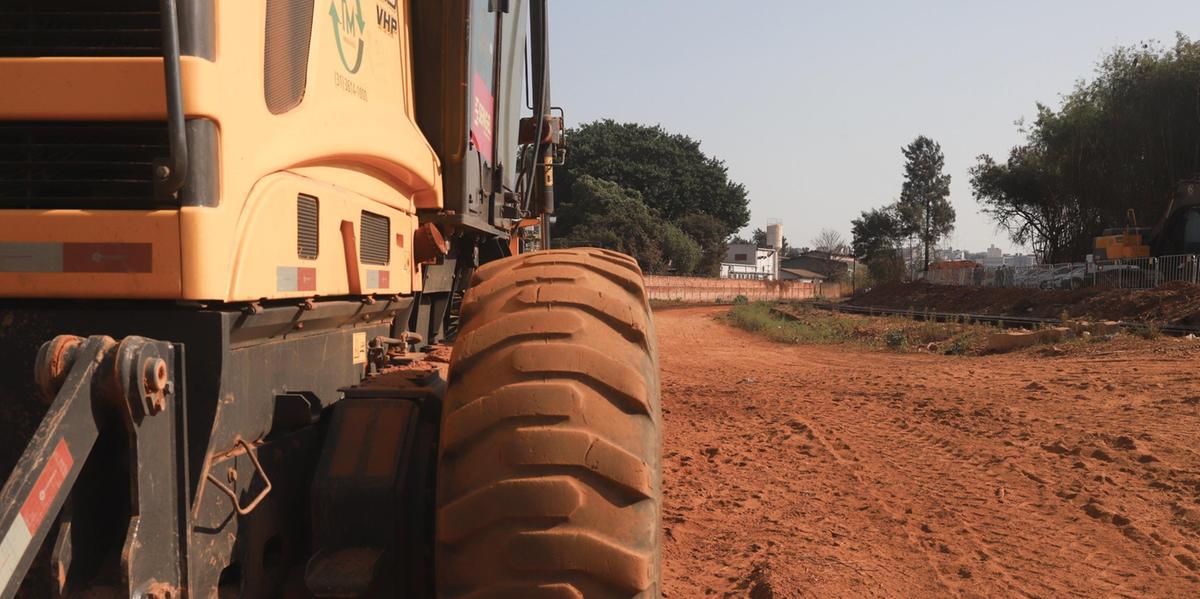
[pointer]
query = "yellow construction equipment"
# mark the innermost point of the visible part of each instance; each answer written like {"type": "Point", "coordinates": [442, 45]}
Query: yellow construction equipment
{"type": "Point", "coordinates": [1126, 242]}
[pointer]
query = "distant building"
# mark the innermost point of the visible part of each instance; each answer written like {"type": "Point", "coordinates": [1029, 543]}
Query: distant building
{"type": "Point", "coordinates": [1020, 260]}
{"type": "Point", "coordinates": [834, 256]}
{"type": "Point", "coordinates": [835, 267]}
{"type": "Point", "coordinates": [800, 274]}
{"type": "Point", "coordinates": [949, 255]}
{"type": "Point", "coordinates": [747, 261]}
{"type": "Point", "coordinates": [993, 258]}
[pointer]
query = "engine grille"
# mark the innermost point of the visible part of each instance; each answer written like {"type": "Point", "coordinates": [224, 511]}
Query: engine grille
{"type": "Point", "coordinates": [308, 240]}
{"type": "Point", "coordinates": [80, 164]}
{"type": "Point", "coordinates": [374, 247]}
{"type": "Point", "coordinates": [80, 28]}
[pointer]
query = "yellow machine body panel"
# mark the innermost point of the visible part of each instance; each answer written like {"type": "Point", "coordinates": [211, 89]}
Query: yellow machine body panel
{"type": "Point", "coordinates": [1125, 245]}
{"type": "Point", "coordinates": [349, 140]}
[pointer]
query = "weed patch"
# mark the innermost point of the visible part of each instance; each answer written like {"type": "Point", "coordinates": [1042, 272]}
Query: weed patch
{"type": "Point", "coordinates": [759, 318]}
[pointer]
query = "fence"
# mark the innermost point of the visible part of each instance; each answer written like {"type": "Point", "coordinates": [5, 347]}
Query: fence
{"type": "Point", "coordinates": [1127, 273]}
{"type": "Point", "coordinates": [699, 290]}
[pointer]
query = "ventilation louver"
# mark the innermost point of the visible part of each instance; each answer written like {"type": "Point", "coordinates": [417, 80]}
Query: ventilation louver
{"type": "Point", "coordinates": [307, 237]}
{"type": "Point", "coordinates": [374, 247]}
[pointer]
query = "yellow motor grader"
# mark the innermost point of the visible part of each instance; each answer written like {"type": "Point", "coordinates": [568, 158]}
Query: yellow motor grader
{"type": "Point", "coordinates": [233, 236]}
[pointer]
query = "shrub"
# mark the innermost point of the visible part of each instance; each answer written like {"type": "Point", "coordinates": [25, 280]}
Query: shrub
{"type": "Point", "coordinates": [1151, 331]}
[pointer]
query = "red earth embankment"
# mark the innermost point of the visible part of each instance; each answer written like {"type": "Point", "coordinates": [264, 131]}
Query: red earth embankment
{"type": "Point", "coordinates": [1172, 303]}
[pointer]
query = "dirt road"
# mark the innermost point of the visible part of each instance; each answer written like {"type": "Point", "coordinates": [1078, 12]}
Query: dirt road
{"type": "Point", "coordinates": [827, 471]}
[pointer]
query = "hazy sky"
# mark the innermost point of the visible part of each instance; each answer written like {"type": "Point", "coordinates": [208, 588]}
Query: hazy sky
{"type": "Point", "coordinates": [809, 103]}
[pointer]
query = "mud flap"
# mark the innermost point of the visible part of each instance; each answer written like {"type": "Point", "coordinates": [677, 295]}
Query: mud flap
{"type": "Point", "coordinates": [372, 494]}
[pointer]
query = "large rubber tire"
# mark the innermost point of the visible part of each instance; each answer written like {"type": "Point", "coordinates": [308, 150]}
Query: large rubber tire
{"type": "Point", "coordinates": [549, 482]}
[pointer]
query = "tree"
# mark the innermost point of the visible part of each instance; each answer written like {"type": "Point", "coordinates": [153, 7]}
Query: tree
{"type": "Point", "coordinates": [621, 222]}
{"type": "Point", "coordinates": [1122, 140]}
{"type": "Point", "coordinates": [1026, 199]}
{"type": "Point", "coordinates": [669, 171]}
{"type": "Point", "coordinates": [924, 208]}
{"type": "Point", "coordinates": [877, 237]}
{"type": "Point", "coordinates": [830, 241]}
{"type": "Point", "coordinates": [681, 252]}
{"type": "Point", "coordinates": [624, 223]}
{"type": "Point", "coordinates": [709, 233]}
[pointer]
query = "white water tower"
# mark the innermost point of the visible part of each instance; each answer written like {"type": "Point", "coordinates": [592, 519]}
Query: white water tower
{"type": "Point", "coordinates": [775, 240]}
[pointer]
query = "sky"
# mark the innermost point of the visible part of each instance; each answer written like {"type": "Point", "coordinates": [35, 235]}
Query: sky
{"type": "Point", "coordinates": [809, 104]}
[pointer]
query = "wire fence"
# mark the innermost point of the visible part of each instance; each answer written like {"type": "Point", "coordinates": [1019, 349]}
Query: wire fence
{"type": "Point", "coordinates": [1126, 273]}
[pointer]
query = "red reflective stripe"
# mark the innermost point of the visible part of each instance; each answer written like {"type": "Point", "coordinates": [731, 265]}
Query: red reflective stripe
{"type": "Point", "coordinates": [107, 257]}
{"type": "Point", "coordinates": [384, 279]}
{"type": "Point", "coordinates": [48, 484]}
{"type": "Point", "coordinates": [306, 279]}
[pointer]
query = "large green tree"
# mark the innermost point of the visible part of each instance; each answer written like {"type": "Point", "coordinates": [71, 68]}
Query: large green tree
{"type": "Point", "coordinates": [1122, 140]}
{"type": "Point", "coordinates": [622, 222]}
{"type": "Point", "coordinates": [924, 205]}
{"type": "Point", "coordinates": [672, 174]}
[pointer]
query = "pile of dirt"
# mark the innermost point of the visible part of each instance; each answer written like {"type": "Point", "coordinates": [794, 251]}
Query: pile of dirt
{"type": "Point", "coordinates": [1172, 303]}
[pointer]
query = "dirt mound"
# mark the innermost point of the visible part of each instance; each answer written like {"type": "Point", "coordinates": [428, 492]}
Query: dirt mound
{"type": "Point", "coordinates": [1172, 303]}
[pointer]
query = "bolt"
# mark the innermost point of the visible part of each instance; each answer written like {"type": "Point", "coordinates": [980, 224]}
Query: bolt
{"type": "Point", "coordinates": [154, 382]}
{"type": "Point", "coordinates": [162, 171]}
{"type": "Point", "coordinates": [156, 374]}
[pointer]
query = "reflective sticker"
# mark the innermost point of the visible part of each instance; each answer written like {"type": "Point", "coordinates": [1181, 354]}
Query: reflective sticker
{"type": "Point", "coordinates": [291, 278]}
{"type": "Point", "coordinates": [107, 257]}
{"type": "Point", "coordinates": [378, 279]}
{"type": "Point", "coordinates": [306, 279]}
{"type": "Point", "coordinates": [359, 349]}
{"type": "Point", "coordinates": [76, 257]}
{"type": "Point", "coordinates": [11, 548]}
{"type": "Point", "coordinates": [48, 483]}
{"type": "Point", "coordinates": [31, 257]}
{"type": "Point", "coordinates": [285, 278]}
{"type": "Point", "coordinates": [34, 510]}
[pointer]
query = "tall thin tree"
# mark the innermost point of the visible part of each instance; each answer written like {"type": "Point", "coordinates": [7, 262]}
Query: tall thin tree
{"type": "Point", "coordinates": [924, 206]}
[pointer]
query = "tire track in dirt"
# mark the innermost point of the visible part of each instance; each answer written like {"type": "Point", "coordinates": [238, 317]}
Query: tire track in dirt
{"type": "Point", "coordinates": [797, 471]}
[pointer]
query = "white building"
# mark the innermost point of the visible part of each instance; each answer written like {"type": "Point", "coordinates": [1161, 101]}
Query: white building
{"type": "Point", "coordinates": [1020, 260]}
{"type": "Point", "coordinates": [994, 258]}
{"type": "Point", "coordinates": [747, 261]}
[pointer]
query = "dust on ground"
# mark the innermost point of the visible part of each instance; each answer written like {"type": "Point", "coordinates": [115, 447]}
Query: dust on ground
{"type": "Point", "coordinates": [841, 471]}
{"type": "Point", "coordinates": [1171, 303]}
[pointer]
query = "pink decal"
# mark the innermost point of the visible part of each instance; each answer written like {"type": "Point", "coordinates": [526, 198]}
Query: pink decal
{"type": "Point", "coordinates": [482, 109]}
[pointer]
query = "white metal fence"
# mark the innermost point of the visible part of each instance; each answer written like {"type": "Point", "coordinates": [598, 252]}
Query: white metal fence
{"type": "Point", "coordinates": [1128, 273]}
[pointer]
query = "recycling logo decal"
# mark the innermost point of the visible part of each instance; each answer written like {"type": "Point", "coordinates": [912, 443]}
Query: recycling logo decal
{"type": "Point", "coordinates": [349, 30]}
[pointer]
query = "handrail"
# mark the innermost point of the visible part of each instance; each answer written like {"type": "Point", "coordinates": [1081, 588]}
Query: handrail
{"type": "Point", "coordinates": [170, 177]}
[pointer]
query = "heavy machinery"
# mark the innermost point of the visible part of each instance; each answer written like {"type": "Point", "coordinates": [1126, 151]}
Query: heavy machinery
{"type": "Point", "coordinates": [232, 233]}
{"type": "Point", "coordinates": [1177, 232]}
{"type": "Point", "coordinates": [1125, 242]}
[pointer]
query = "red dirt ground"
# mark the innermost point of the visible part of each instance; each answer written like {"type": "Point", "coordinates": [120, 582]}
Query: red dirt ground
{"type": "Point", "coordinates": [1171, 303]}
{"type": "Point", "coordinates": [831, 471]}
